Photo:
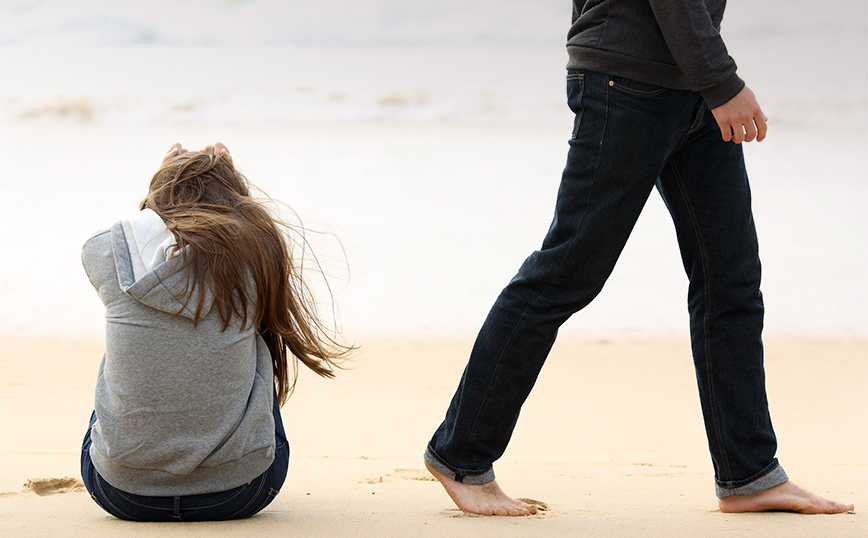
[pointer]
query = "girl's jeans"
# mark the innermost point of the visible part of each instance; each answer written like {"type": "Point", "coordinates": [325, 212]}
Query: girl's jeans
{"type": "Point", "coordinates": [240, 502]}
{"type": "Point", "coordinates": [629, 137]}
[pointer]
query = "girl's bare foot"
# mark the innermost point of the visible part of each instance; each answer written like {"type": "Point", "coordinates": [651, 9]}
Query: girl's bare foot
{"type": "Point", "coordinates": [786, 497]}
{"type": "Point", "coordinates": [484, 499]}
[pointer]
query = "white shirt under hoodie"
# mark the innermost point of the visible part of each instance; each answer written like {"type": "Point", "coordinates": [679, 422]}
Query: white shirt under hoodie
{"type": "Point", "coordinates": [179, 410]}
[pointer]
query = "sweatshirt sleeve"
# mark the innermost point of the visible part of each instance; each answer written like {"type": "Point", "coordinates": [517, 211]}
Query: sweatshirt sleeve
{"type": "Point", "coordinates": [695, 42]}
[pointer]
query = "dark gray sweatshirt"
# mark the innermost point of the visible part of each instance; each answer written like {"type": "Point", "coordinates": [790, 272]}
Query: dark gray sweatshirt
{"type": "Point", "coordinates": [180, 410]}
{"type": "Point", "coordinates": [670, 43]}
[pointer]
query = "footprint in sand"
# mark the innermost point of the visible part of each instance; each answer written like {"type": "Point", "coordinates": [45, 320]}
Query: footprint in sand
{"type": "Point", "coordinates": [414, 474]}
{"type": "Point", "coordinates": [51, 486]}
{"type": "Point", "coordinates": [422, 475]}
{"type": "Point", "coordinates": [402, 474]}
{"type": "Point", "coordinates": [541, 506]}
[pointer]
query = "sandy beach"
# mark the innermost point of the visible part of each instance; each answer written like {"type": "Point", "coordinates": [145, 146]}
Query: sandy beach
{"type": "Point", "coordinates": [610, 442]}
{"type": "Point", "coordinates": [426, 140]}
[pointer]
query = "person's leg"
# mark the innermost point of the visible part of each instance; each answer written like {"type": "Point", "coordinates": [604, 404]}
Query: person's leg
{"type": "Point", "coordinates": [624, 133]}
{"type": "Point", "coordinates": [705, 187]}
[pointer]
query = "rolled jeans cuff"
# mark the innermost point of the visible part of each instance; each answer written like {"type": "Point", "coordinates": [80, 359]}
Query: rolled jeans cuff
{"type": "Point", "coordinates": [770, 477]}
{"type": "Point", "coordinates": [473, 479]}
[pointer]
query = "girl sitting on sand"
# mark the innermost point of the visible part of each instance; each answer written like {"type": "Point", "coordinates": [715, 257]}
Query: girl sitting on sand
{"type": "Point", "coordinates": [205, 315]}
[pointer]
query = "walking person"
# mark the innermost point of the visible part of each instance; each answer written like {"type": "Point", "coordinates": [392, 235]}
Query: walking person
{"type": "Point", "coordinates": [657, 103]}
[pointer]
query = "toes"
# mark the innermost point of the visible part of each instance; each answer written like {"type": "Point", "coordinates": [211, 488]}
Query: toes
{"type": "Point", "coordinates": [517, 511]}
{"type": "Point", "coordinates": [522, 509]}
{"type": "Point", "coordinates": [839, 508]}
{"type": "Point", "coordinates": [500, 511]}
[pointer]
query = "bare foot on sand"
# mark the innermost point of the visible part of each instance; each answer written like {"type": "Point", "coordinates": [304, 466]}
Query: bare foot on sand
{"type": "Point", "coordinates": [485, 499]}
{"type": "Point", "coordinates": [786, 497]}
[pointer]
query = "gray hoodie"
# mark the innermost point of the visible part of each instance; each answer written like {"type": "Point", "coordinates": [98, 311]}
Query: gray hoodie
{"type": "Point", "coordinates": [179, 410]}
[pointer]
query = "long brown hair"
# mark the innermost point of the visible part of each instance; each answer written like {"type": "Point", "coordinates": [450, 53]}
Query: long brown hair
{"type": "Point", "coordinates": [227, 238]}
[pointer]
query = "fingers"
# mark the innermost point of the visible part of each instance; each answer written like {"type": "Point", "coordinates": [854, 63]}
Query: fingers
{"type": "Point", "coordinates": [218, 150]}
{"type": "Point", "coordinates": [737, 130]}
{"type": "Point", "coordinates": [762, 128]}
{"type": "Point", "coordinates": [741, 119]}
{"type": "Point", "coordinates": [223, 152]}
{"type": "Point", "coordinates": [747, 131]}
{"type": "Point", "coordinates": [738, 134]}
{"type": "Point", "coordinates": [174, 151]}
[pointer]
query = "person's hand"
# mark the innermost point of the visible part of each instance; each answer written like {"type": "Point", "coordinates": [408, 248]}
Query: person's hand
{"type": "Point", "coordinates": [174, 151]}
{"type": "Point", "coordinates": [740, 119]}
{"type": "Point", "coordinates": [219, 150]}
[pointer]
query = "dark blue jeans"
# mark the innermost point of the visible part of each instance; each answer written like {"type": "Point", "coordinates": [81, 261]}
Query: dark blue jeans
{"type": "Point", "coordinates": [629, 137]}
{"type": "Point", "coordinates": [236, 503]}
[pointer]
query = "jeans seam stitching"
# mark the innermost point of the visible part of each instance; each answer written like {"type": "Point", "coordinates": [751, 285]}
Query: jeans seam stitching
{"type": "Point", "coordinates": [253, 498]}
{"type": "Point", "coordinates": [638, 93]}
{"type": "Point", "coordinates": [706, 321]}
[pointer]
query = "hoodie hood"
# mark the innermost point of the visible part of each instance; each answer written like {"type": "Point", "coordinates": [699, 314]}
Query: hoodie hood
{"type": "Point", "coordinates": [150, 268]}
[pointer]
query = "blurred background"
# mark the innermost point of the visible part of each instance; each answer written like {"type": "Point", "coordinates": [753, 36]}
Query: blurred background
{"type": "Point", "coordinates": [424, 140]}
